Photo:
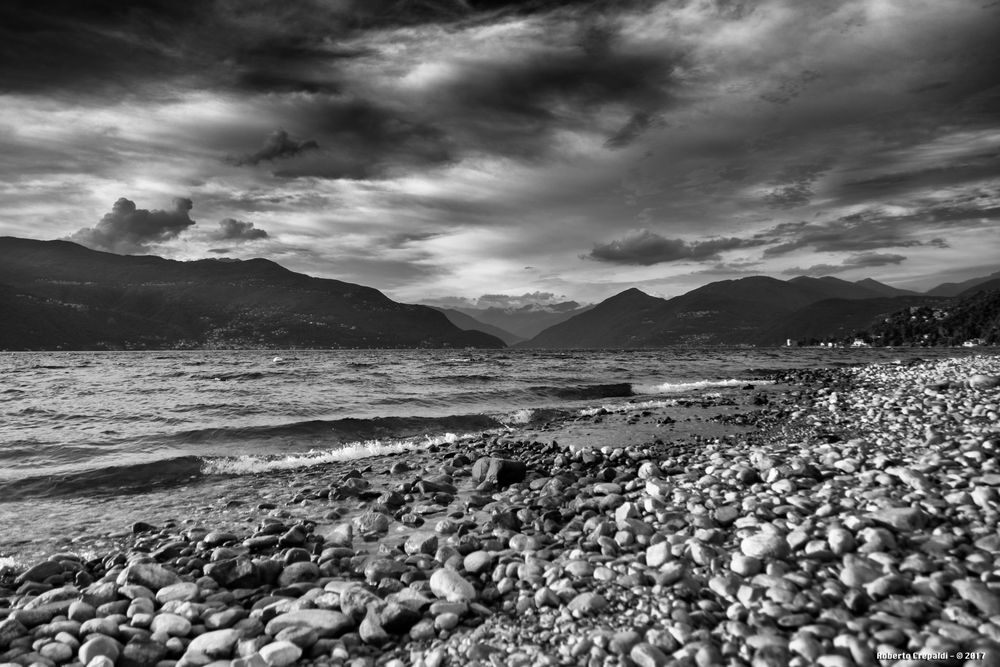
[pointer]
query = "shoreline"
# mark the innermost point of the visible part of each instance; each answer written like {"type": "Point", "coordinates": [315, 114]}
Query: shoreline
{"type": "Point", "coordinates": [88, 523]}
{"type": "Point", "coordinates": [826, 525]}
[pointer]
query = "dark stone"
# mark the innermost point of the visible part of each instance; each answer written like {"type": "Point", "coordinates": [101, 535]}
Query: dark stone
{"type": "Point", "coordinates": [296, 555]}
{"type": "Point", "coordinates": [233, 572]}
{"type": "Point", "coordinates": [391, 499]}
{"type": "Point", "coordinates": [169, 550]}
{"type": "Point", "coordinates": [505, 519]}
{"type": "Point", "coordinates": [42, 614]}
{"type": "Point", "coordinates": [295, 537]}
{"type": "Point", "coordinates": [274, 528]}
{"type": "Point", "coordinates": [39, 572]}
{"type": "Point", "coordinates": [261, 542]}
{"type": "Point", "coordinates": [502, 472]}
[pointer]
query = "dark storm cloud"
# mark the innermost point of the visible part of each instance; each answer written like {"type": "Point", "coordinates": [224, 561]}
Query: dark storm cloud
{"type": "Point", "coordinates": [130, 230]}
{"type": "Point", "coordinates": [869, 230]}
{"type": "Point", "coordinates": [231, 229]}
{"type": "Point", "coordinates": [789, 196]}
{"type": "Point", "coordinates": [89, 47]}
{"type": "Point", "coordinates": [531, 88]}
{"type": "Point", "coordinates": [253, 45]}
{"type": "Point", "coordinates": [538, 122]}
{"type": "Point", "coordinates": [514, 106]}
{"type": "Point", "coordinates": [646, 248]}
{"type": "Point", "coordinates": [795, 184]}
{"type": "Point", "coordinates": [363, 139]}
{"type": "Point", "coordinates": [630, 131]}
{"type": "Point", "coordinates": [965, 169]}
{"type": "Point", "coordinates": [276, 147]}
{"type": "Point", "coordinates": [857, 261]}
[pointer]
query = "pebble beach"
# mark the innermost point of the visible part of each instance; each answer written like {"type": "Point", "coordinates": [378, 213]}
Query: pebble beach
{"type": "Point", "coordinates": [835, 517]}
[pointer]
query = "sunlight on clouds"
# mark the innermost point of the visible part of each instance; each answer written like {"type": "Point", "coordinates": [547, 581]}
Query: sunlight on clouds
{"type": "Point", "coordinates": [429, 75]}
{"type": "Point", "coordinates": [450, 154]}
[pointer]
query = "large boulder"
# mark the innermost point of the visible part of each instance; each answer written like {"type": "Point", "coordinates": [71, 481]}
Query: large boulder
{"type": "Point", "coordinates": [502, 472]}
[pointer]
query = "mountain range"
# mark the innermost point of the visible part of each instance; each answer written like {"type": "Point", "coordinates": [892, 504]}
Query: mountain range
{"type": "Point", "coordinates": [756, 310]}
{"type": "Point", "coordinates": [60, 295]}
{"type": "Point", "coordinates": [991, 281]}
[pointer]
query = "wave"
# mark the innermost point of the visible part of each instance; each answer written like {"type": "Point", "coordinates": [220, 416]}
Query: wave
{"type": "Point", "coordinates": [630, 406]}
{"type": "Point", "coordinates": [676, 387]}
{"type": "Point", "coordinates": [343, 430]}
{"type": "Point", "coordinates": [585, 392]}
{"type": "Point", "coordinates": [625, 389]}
{"type": "Point", "coordinates": [171, 472]}
{"type": "Point", "coordinates": [250, 464]}
{"type": "Point", "coordinates": [462, 379]}
{"type": "Point", "coordinates": [222, 377]}
{"type": "Point", "coordinates": [528, 416]}
{"type": "Point", "coordinates": [116, 479]}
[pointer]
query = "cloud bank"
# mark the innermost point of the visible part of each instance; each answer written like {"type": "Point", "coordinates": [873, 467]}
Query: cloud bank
{"type": "Point", "coordinates": [129, 230]}
{"type": "Point", "coordinates": [230, 229]}
{"type": "Point", "coordinates": [646, 248]}
{"type": "Point", "coordinates": [865, 260]}
{"type": "Point", "coordinates": [438, 148]}
{"type": "Point", "coordinates": [277, 146]}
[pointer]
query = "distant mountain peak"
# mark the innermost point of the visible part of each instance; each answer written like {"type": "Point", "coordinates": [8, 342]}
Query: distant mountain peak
{"type": "Point", "coordinates": [955, 289]}
{"type": "Point", "coordinates": [61, 295]}
{"type": "Point", "coordinates": [743, 311]}
{"type": "Point", "coordinates": [630, 293]}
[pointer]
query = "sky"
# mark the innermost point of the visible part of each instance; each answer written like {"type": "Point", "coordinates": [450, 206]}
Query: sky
{"type": "Point", "coordinates": [460, 151]}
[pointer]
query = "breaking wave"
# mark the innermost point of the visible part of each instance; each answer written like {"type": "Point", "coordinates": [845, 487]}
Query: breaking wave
{"type": "Point", "coordinates": [250, 465]}
{"type": "Point", "coordinates": [677, 387]}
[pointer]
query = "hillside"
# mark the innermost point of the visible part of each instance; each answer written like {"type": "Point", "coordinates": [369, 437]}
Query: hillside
{"type": "Point", "coordinates": [975, 317]}
{"type": "Point", "coordinates": [622, 320]}
{"type": "Point", "coordinates": [60, 295]}
{"type": "Point", "coordinates": [963, 288]}
{"type": "Point", "coordinates": [727, 312]}
{"type": "Point", "coordinates": [838, 319]}
{"type": "Point", "coordinates": [884, 290]}
{"type": "Point", "coordinates": [986, 286]}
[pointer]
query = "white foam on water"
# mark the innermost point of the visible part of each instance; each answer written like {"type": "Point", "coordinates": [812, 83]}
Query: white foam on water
{"type": "Point", "coordinates": [675, 387]}
{"type": "Point", "coordinates": [631, 406]}
{"type": "Point", "coordinates": [522, 416]}
{"type": "Point", "coordinates": [249, 464]}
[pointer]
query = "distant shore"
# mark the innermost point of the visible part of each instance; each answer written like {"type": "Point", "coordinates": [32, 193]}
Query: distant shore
{"type": "Point", "coordinates": [831, 518]}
